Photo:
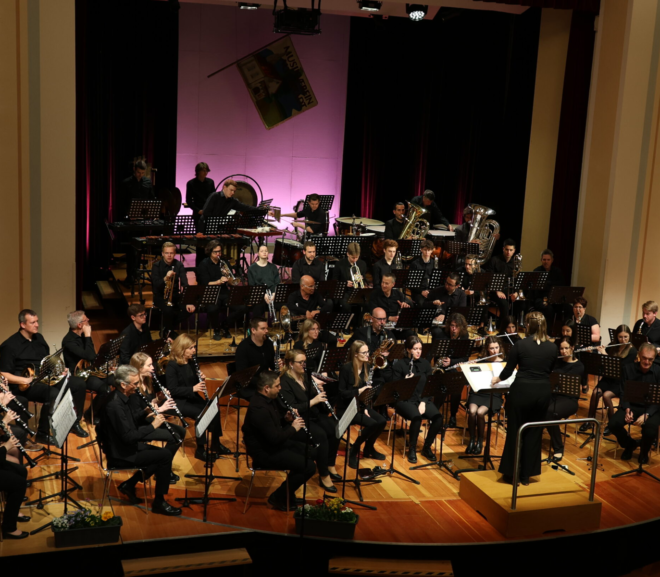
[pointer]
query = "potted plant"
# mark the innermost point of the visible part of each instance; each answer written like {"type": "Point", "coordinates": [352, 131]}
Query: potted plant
{"type": "Point", "coordinates": [327, 518]}
{"type": "Point", "coordinates": [82, 527]}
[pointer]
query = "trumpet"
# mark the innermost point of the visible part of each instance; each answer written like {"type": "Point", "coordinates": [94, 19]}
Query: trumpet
{"type": "Point", "coordinates": [169, 398]}
{"type": "Point", "coordinates": [152, 406]}
{"type": "Point", "coordinates": [5, 389]}
{"type": "Point", "coordinates": [356, 277]}
{"type": "Point", "coordinates": [271, 304]}
{"type": "Point", "coordinates": [30, 461]}
{"type": "Point", "coordinates": [201, 378]}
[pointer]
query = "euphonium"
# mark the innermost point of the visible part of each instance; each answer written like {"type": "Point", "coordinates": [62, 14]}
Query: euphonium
{"type": "Point", "coordinates": [226, 272]}
{"type": "Point", "coordinates": [416, 226]}
{"type": "Point", "coordinates": [483, 231]}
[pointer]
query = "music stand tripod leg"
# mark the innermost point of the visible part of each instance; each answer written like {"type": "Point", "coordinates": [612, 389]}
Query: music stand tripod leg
{"type": "Point", "coordinates": [391, 470]}
{"type": "Point", "coordinates": [357, 481]}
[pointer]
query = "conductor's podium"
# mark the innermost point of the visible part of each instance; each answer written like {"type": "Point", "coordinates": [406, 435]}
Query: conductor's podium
{"type": "Point", "coordinates": [552, 502]}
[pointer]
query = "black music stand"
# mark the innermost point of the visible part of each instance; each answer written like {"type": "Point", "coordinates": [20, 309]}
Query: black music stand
{"type": "Point", "coordinates": [451, 348]}
{"type": "Point", "coordinates": [140, 209]}
{"type": "Point", "coordinates": [410, 247]}
{"type": "Point", "coordinates": [220, 224]}
{"type": "Point", "coordinates": [461, 248]}
{"type": "Point", "coordinates": [611, 333]}
{"type": "Point", "coordinates": [283, 291]}
{"type": "Point", "coordinates": [638, 393]}
{"type": "Point", "coordinates": [473, 315]}
{"type": "Point", "coordinates": [638, 339]}
{"type": "Point", "coordinates": [331, 289]}
{"type": "Point", "coordinates": [390, 394]}
{"type": "Point", "coordinates": [600, 366]}
{"type": "Point", "coordinates": [252, 219]}
{"type": "Point", "coordinates": [566, 386]}
{"type": "Point", "coordinates": [527, 281]}
{"type": "Point", "coordinates": [442, 386]}
{"type": "Point", "coordinates": [488, 281]}
{"type": "Point", "coordinates": [155, 349]}
{"type": "Point", "coordinates": [583, 336]}
{"type": "Point", "coordinates": [198, 296]}
{"type": "Point", "coordinates": [332, 360]}
{"type": "Point", "coordinates": [416, 317]}
{"type": "Point", "coordinates": [335, 322]}
{"type": "Point", "coordinates": [335, 246]}
{"type": "Point", "coordinates": [183, 224]}
{"type": "Point", "coordinates": [438, 278]}
{"type": "Point", "coordinates": [360, 296]}
{"type": "Point", "coordinates": [564, 295]}
{"type": "Point", "coordinates": [325, 201]}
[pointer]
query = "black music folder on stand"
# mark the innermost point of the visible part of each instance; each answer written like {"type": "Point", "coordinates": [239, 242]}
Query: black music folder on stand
{"type": "Point", "coordinates": [564, 295]}
{"type": "Point", "coordinates": [144, 209]}
{"type": "Point", "coordinates": [473, 315]}
{"type": "Point", "coordinates": [530, 281]}
{"type": "Point", "coordinates": [332, 360]}
{"type": "Point", "coordinates": [602, 366]}
{"type": "Point", "coordinates": [438, 278]}
{"type": "Point", "coordinates": [220, 224]}
{"type": "Point", "coordinates": [335, 322]}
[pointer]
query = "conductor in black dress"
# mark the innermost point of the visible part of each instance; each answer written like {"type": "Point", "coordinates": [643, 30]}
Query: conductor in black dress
{"type": "Point", "coordinates": [528, 398]}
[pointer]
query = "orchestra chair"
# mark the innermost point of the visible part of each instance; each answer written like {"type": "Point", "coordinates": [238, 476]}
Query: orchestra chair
{"type": "Point", "coordinates": [254, 470]}
{"type": "Point", "coordinates": [231, 369]}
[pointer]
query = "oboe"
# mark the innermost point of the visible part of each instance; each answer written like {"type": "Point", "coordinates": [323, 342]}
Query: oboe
{"type": "Point", "coordinates": [295, 413]}
{"type": "Point", "coordinates": [20, 405]}
{"type": "Point", "coordinates": [20, 447]}
{"type": "Point", "coordinates": [169, 398]}
{"type": "Point", "coordinates": [201, 378]}
{"type": "Point", "coordinates": [20, 421]}
{"type": "Point", "coordinates": [327, 403]}
{"type": "Point", "coordinates": [155, 411]}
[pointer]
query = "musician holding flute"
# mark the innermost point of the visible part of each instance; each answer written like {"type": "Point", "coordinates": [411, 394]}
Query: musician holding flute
{"type": "Point", "coordinates": [319, 418]}
{"type": "Point", "coordinates": [188, 389]}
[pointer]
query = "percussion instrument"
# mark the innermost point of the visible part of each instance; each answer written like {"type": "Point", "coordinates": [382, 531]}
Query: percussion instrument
{"type": "Point", "coordinates": [345, 224]}
{"type": "Point", "coordinates": [378, 230]}
{"type": "Point", "coordinates": [287, 252]}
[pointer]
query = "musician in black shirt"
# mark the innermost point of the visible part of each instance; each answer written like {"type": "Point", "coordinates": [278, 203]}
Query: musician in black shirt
{"type": "Point", "coordinates": [313, 341]}
{"type": "Point", "coordinates": [308, 265]}
{"type": "Point", "coordinates": [342, 273]}
{"type": "Point", "coordinates": [649, 324]}
{"type": "Point", "coordinates": [268, 439]}
{"type": "Point", "coordinates": [256, 349]}
{"type": "Point", "coordinates": [375, 333]}
{"type": "Point", "coordinates": [391, 300]}
{"type": "Point", "coordinates": [136, 334]}
{"type": "Point", "coordinates": [462, 232]}
{"type": "Point", "coordinates": [384, 265]}
{"type": "Point", "coordinates": [581, 318]}
{"type": "Point", "coordinates": [214, 271]}
{"type": "Point", "coordinates": [503, 264]}
{"type": "Point", "coordinates": [434, 215]}
{"type": "Point", "coordinates": [426, 264]}
{"type": "Point", "coordinates": [448, 297]}
{"type": "Point", "coordinates": [555, 279]}
{"type": "Point", "coordinates": [26, 349]}
{"type": "Point", "coordinates": [222, 202]}
{"type": "Point", "coordinates": [394, 227]}
{"type": "Point", "coordinates": [306, 301]}
{"type": "Point", "coordinates": [312, 212]}
{"type": "Point", "coordinates": [198, 191]}
{"type": "Point", "coordinates": [137, 186]}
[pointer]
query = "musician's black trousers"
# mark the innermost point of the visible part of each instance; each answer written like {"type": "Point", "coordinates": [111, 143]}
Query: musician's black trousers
{"type": "Point", "coordinates": [323, 435]}
{"type": "Point", "coordinates": [372, 426]}
{"type": "Point", "coordinates": [291, 458]}
{"type": "Point", "coordinates": [163, 434]}
{"type": "Point", "coordinates": [560, 408]}
{"type": "Point", "coordinates": [191, 408]}
{"type": "Point", "coordinates": [13, 482]}
{"type": "Point", "coordinates": [172, 316]}
{"type": "Point", "coordinates": [153, 461]}
{"type": "Point", "coordinates": [618, 428]}
{"type": "Point", "coordinates": [410, 411]}
{"type": "Point", "coordinates": [235, 315]}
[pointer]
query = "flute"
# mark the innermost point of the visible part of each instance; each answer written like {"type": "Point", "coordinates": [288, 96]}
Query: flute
{"type": "Point", "coordinates": [169, 398]}
{"type": "Point", "coordinates": [295, 413]}
{"type": "Point", "coordinates": [444, 369]}
{"type": "Point", "coordinates": [201, 378]}
{"type": "Point", "coordinates": [20, 447]}
{"type": "Point", "coordinates": [596, 347]}
{"type": "Point", "coordinates": [155, 411]}
{"type": "Point", "coordinates": [20, 421]}
{"type": "Point", "coordinates": [20, 405]}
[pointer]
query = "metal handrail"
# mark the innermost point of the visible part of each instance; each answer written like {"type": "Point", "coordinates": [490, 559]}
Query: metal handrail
{"type": "Point", "coordinates": [516, 462]}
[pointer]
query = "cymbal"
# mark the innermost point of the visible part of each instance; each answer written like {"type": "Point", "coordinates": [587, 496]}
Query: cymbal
{"type": "Point", "coordinates": [360, 220]}
{"type": "Point", "coordinates": [307, 221]}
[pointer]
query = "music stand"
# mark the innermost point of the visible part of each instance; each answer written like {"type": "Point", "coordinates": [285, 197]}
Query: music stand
{"type": "Point", "coordinates": [390, 394]}
{"type": "Point", "coordinates": [140, 209]}
{"type": "Point", "coordinates": [155, 349]}
{"type": "Point", "coordinates": [360, 296]}
{"type": "Point", "coordinates": [198, 296]}
{"type": "Point", "coordinates": [462, 248]}
{"type": "Point", "coordinates": [331, 289]}
{"type": "Point", "coordinates": [252, 219]}
{"type": "Point", "coordinates": [473, 315]}
{"type": "Point", "coordinates": [283, 291]}
{"type": "Point", "coordinates": [638, 393]}
{"type": "Point", "coordinates": [416, 317]}
{"type": "Point", "coordinates": [611, 333]}
{"type": "Point", "coordinates": [325, 202]}
{"type": "Point", "coordinates": [220, 225]}
{"type": "Point", "coordinates": [530, 281]}
{"type": "Point", "coordinates": [583, 336]}
{"type": "Point", "coordinates": [335, 322]}
{"type": "Point", "coordinates": [638, 339]}
{"type": "Point", "coordinates": [410, 246]}
{"type": "Point", "coordinates": [438, 278]}
{"type": "Point", "coordinates": [332, 360]}
{"type": "Point", "coordinates": [451, 348]}
{"type": "Point", "coordinates": [563, 295]}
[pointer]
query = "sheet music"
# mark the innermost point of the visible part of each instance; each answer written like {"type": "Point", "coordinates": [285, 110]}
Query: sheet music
{"type": "Point", "coordinates": [63, 419]}
{"type": "Point", "coordinates": [480, 375]}
{"type": "Point", "coordinates": [209, 415]}
{"type": "Point", "coordinates": [346, 419]}
{"type": "Point", "coordinates": [61, 393]}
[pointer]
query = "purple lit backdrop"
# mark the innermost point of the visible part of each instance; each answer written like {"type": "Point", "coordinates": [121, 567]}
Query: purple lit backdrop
{"type": "Point", "coordinates": [218, 123]}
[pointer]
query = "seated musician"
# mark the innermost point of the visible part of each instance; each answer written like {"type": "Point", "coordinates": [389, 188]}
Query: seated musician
{"type": "Point", "coordinates": [511, 331]}
{"type": "Point", "coordinates": [561, 406]}
{"type": "Point", "coordinates": [353, 381]}
{"type": "Point", "coordinates": [188, 389]}
{"type": "Point", "coordinates": [262, 272]}
{"type": "Point", "coordinates": [649, 324]}
{"type": "Point", "coordinates": [448, 297]}
{"type": "Point", "coordinates": [568, 330]}
{"type": "Point", "coordinates": [269, 440]}
{"type": "Point", "coordinates": [434, 216]}
{"type": "Point", "coordinates": [391, 300]}
{"type": "Point", "coordinates": [425, 263]}
{"type": "Point", "coordinates": [257, 349]}
{"type": "Point", "coordinates": [25, 350]}
{"type": "Point", "coordinates": [317, 216]}
{"type": "Point", "coordinates": [163, 272]}
{"type": "Point", "coordinates": [645, 416]}
{"type": "Point", "coordinates": [313, 341]}
{"type": "Point", "coordinates": [455, 329]}
{"type": "Point", "coordinates": [13, 483]}
{"type": "Point", "coordinates": [478, 404]}
{"type": "Point", "coordinates": [555, 279]}
{"type": "Point", "coordinates": [384, 265]}
{"type": "Point", "coordinates": [8, 401]}
{"type": "Point", "coordinates": [462, 232]}
{"type": "Point", "coordinates": [214, 271]}
{"type": "Point", "coordinates": [581, 318]}
{"type": "Point", "coordinates": [417, 407]}
{"type": "Point", "coordinates": [79, 346]}
{"type": "Point", "coordinates": [375, 333]}
{"type": "Point", "coordinates": [308, 265]}
{"type": "Point", "coordinates": [136, 334]}
{"type": "Point", "coordinates": [122, 441]}
{"type": "Point", "coordinates": [306, 301]}
{"type": "Point", "coordinates": [320, 423]}
{"type": "Point", "coordinates": [342, 273]}
{"type": "Point", "coordinates": [222, 202]}
{"type": "Point", "coordinates": [394, 227]}
{"type": "Point", "coordinates": [469, 268]}
{"type": "Point", "coordinates": [503, 264]}
{"type": "Point", "coordinates": [198, 191]}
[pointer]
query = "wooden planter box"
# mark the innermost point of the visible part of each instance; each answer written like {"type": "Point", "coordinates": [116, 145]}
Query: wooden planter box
{"type": "Point", "coordinates": [328, 529]}
{"type": "Point", "coordinates": [87, 536]}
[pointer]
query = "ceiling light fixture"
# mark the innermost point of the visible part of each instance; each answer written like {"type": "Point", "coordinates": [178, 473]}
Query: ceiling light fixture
{"type": "Point", "coordinates": [416, 12]}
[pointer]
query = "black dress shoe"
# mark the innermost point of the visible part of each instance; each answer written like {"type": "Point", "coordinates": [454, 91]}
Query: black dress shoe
{"type": "Point", "coordinates": [281, 506]}
{"type": "Point", "coordinates": [353, 457]}
{"type": "Point", "coordinates": [174, 479]}
{"type": "Point", "coordinates": [78, 431]}
{"type": "Point", "coordinates": [524, 481]}
{"type": "Point", "coordinates": [478, 447]}
{"type": "Point", "coordinates": [607, 432]}
{"type": "Point", "coordinates": [470, 446]}
{"type": "Point", "coordinates": [643, 459]}
{"type": "Point", "coordinates": [22, 535]}
{"type": "Point", "coordinates": [23, 519]}
{"type": "Point", "coordinates": [428, 453]}
{"type": "Point", "coordinates": [220, 449]}
{"type": "Point", "coordinates": [330, 489]}
{"type": "Point", "coordinates": [164, 508]}
{"type": "Point", "coordinates": [557, 459]}
{"type": "Point", "coordinates": [129, 491]}
{"type": "Point", "coordinates": [226, 334]}
{"type": "Point", "coordinates": [335, 477]}
{"type": "Point", "coordinates": [629, 450]}
{"type": "Point", "coordinates": [452, 422]}
{"type": "Point", "coordinates": [44, 438]}
{"type": "Point", "coordinates": [201, 455]}
{"type": "Point", "coordinates": [217, 335]}
{"type": "Point", "coordinates": [585, 427]}
{"type": "Point", "coordinates": [412, 455]}
{"type": "Point", "coordinates": [372, 454]}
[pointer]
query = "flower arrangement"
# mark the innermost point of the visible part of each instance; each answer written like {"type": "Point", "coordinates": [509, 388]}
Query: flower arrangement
{"type": "Point", "coordinates": [84, 518]}
{"type": "Point", "coordinates": [328, 510]}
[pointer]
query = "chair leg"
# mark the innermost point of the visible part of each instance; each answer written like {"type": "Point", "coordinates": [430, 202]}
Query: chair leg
{"type": "Point", "coordinates": [247, 497]}
{"type": "Point", "coordinates": [106, 491]}
{"type": "Point", "coordinates": [144, 484]}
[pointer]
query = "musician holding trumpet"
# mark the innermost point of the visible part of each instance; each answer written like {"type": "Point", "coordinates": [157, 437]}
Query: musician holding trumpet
{"type": "Point", "coordinates": [351, 270]}
{"type": "Point", "coordinates": [262, 272]}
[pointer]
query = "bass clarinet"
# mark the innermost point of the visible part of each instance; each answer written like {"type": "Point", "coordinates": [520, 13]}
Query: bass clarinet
{"type": "Point", "coordinates": [152, 406]}
{"type": "Point", "coordinates": [168, 397]}
{"type": "Point", "coordinates": [20, 447]}
{"type": "Point", "coordinates": [201, 378]}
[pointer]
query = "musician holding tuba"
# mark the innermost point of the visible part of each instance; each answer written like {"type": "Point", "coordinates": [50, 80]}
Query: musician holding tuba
{"type": "Point", "coordinates": [25, 350]}
{"type": "Point", "coordinates": [394, 227]}
{"type": "Point", "coordinates": [434, 215]}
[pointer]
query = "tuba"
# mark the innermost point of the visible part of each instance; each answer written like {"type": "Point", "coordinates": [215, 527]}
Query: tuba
{"type": "Point", "coordinates": [416, 226]}
{"type": "Point", "coordinates": [483, 231]}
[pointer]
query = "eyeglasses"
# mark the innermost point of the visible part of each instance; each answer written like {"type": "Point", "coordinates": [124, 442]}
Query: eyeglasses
{"type": "Point", "coordinates": [381, 319]}
{"type": "Point", "coordinates": [216, 251]}
{"type": "Point", "coordinates": [143, 315]}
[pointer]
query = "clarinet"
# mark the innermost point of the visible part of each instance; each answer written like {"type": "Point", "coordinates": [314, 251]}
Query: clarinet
{"type": "Point", "coordinates": [21, 448]}
{"type": "Point", "coordinates": [20, 421]}
{"type": "Point", "coordinates": [295, 413]}
{"type": "Point", "coordinates": [155, 411]}
{"type": "Point", "coordinates": [169, 398]}
{"type": "Point", "coordinates": [20, 405]}
{"type": "Point", "coordinates": [199, 374]}
{"type": "Point", "coordinates": [327, 403]}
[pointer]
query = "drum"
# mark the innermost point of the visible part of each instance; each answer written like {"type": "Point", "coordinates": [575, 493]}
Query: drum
{"type": "Point", "coordinates": [287, 252]}
{"type": "Point", "coordinates": [379, 230]}
{"type": "Point", "coordinates": [345, 224]}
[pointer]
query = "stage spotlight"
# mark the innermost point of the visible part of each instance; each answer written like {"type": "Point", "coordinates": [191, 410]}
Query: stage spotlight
{"type": "Point", "coordinates": [416, 12]}
{"type": "Point", "coordinates": [369, 5]}
{"type": "Point", "coordinates": [297, 21]}
{"type": "Point", "coordinates": [248, 6]}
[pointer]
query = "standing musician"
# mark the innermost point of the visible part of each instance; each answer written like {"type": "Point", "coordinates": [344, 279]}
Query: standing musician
{"type": "Point", "coordinates": [221, 202]}
{"type": "Point", "coordinates": [187, 386]}
{"type": "Point", "coordinates": [561, 406]}
{"type": "Point", "coordinates": [394, 227]}
{"type": "Point", "coordinates": [342, 273]}
{"type": "Point", "coordinates": [256, 349]}
{"type": "Point", "coordinates": [25, 349]}
{"type": "Point", "coordinates": [122, 440]}
{"type": "Point", "coordinates": [305, 301]}
{"type": "Point", "coordinates": [135, 186]}
{"type": "Point", "coordinates": [462, 232]}
{"type": "Point", "coordinates": [417, 407]}
{"type": "Point", "coordinates": [478, 404]}
{"type": "Point", "coordinates": [528, 397]}
{"type": "Point", "coordinates": [391, 300]}
{"type": "Point", "coordinates": [143, 412]}
{"type": "Point", "coordinates": [78, 345]}
{"type": "Point", "coordinates": [425, 263]}
{"type": "Point", "coordinates": [384, 265]}
{"type": "Point", "coordinates": [353, 381]}
{"type": "Point", "coordinates": [434, 216]}
{"type": "Point", "coordinates": [647, 417]}
{"type": "Point", "coordinates": [13, 483]}
{"type": "Point", "coordinates": [198, 191]}
{"type": "Point", "coordinates": [555, 278]}
{"type": "Point", "coordinates": [649, 324]}
{"type": "Point", "coordinates": [269, 441]}
{"type": "Point", "coordinates": [308, 265]}
{"type": "Point", "coordinates": [312, 213]}
{"type": "Point", "coordinates": [455, 329]}
{"type": "Point", "coordinates": [312, 341]}
{"type": "Point", "coordinates": [262, 272]}
{"type": "Point", "coordinates": [214, 271]}
{"type": "Point", "coordinates": [503, 264]}
{"type": "Point", "coordinates": [449, 296]}
{"type": "Point", "coordinates": [320, 423]}
{"type": "Point", "coordinates": [136, 334]}
{"type": "Point", "coordinates": [169, 270]}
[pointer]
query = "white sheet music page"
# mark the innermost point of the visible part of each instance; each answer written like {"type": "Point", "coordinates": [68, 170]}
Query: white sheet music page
{"type": "Point", "coordinates": [63, 419]}
{"type": "Point", "coordinates": [205, 421]}
{"type": "Point", "coordinates": [346, 418]}
{"type": "Point", "coordinates": [480, 375]}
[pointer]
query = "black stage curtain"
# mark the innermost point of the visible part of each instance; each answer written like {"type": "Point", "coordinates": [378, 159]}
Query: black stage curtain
{"type": "Point", "coordinates": [570, 143]}
{"type": "Point", "coordinates": [126, 73]}
{"type": "Point", "coordinates": [445, 105]}
{"type": "Point", "coordinates": [584, 5]}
